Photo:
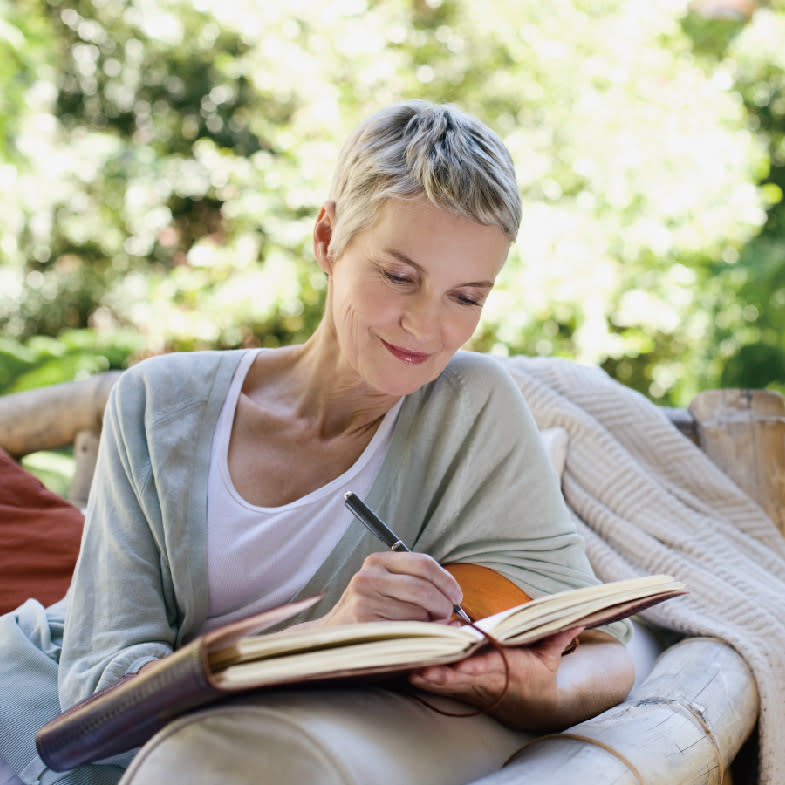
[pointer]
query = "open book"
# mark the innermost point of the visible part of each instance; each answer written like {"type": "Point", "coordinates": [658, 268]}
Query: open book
{"type": "Point", "coordinates": [241, 657]}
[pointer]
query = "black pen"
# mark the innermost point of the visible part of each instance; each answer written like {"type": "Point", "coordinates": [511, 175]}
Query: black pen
{"type": "Point", "coordinates": [383, 532]}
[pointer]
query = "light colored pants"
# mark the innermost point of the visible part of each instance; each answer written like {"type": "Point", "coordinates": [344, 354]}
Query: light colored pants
{"type": "Point", "coordinates": [366, 736]}
{"type": "Point", "coordinates": [363, 736]}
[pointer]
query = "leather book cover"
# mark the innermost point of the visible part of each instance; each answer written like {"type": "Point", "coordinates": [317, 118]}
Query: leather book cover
{"type": "Point", "coordinates": [130, 711]}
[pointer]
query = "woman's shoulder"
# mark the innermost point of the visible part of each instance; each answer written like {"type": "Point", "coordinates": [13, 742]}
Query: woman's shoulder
{"type": "Point", "coordinates": [468, 363]}
{"type": "Point", "coordinates": [471, 386]}
{"type": "Point", "coordinates": [478, 374]}
{"type": "Point", "coordinates": [176, 380]}
{"type": "Point", "coordinates": [173, 364]}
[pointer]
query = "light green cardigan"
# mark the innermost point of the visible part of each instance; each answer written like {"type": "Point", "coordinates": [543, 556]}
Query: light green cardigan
{"type": "Point", "coordinates": [466, 479]}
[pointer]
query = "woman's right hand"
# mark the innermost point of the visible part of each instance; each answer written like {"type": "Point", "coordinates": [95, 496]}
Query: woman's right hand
{"type": "Point", "coordinates": [393, 585]}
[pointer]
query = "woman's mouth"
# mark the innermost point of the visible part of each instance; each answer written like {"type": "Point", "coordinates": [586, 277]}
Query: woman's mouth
{"type": "Point", "coordinates": [406, 355]}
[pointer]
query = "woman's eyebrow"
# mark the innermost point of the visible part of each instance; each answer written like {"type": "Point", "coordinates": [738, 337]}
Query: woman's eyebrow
{"type": "Point", "coordinates": [402, 257]}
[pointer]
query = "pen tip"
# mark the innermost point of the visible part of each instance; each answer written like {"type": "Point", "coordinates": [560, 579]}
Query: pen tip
{"type": "Point", "coordinates": [348, 494]}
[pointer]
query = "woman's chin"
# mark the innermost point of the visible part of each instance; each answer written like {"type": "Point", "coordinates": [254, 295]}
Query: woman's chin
{"type": "Point", "coordinates": [405, 378]}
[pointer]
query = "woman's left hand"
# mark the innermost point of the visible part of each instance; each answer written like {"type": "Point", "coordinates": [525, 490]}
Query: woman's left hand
{"type": "Point", "coordinates": [480, 679]}
{"type": "Point", "coordinates": [546, 690]}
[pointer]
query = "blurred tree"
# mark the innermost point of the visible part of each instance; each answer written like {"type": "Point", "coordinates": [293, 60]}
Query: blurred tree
{"type": "Point", "coordinates": [25, 90]}
{"type": "Point", "coordinates": [746, 290]}
{"type": "Point", "coordinates": [167, 176]}
{"type": "Point", "coordinates": [637, 169]}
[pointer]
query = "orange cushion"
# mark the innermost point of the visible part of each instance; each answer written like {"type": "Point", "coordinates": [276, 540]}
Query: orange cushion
{"type": "Point", "coordinates": [39, 538]}
{"type": "Point", "coordinates": [485, 591]}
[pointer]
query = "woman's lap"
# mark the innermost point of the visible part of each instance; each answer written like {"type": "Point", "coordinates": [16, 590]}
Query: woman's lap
{"type": "Point", "coordinates": [329, 736]}
{"type": "Point", "coordinates": [28, 682]}
{"type": "Point", "coordinates": [29, 648]}
{"type": "Point", "coordinates": [335, 737]}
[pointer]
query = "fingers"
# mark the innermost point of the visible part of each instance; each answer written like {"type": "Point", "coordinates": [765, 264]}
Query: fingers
{"type": "Point", "coordinates": [406, 586]}
{"type": "Point", "coordinates": [479, 681]}
{"type": "Point", "coordinates": [418, 565]}
{"type": "Point", "coordinates": [396, 586]}
{"type": "Point", "coordinates": [531, 669]}
{"type": "Point", "coordinates": [484, 670]}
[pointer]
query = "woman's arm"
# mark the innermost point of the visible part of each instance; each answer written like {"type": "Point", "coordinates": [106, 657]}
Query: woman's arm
{"type": "Point", "coordinates": [116, 616]}
{"type": "Point", "coordinates": [547, 689]}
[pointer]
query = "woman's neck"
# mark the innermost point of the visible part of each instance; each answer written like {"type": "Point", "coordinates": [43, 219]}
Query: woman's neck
{"type": "Point", "coordinates": [311, 383]}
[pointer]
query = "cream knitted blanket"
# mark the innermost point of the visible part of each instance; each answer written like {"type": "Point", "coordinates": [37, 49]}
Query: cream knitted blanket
{"type": "Point", "coordinates": [648, 501]}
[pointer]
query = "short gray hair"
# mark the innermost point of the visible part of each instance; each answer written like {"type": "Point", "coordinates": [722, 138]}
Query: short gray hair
{"type": "Point", "coordinates": [414, 148]}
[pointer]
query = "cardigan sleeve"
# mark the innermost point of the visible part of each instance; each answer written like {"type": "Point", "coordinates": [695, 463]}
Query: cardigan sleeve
{"type": "Point", "coordinates": [140, 585]}
{"type": "Point", "coordinates": [120, 609]}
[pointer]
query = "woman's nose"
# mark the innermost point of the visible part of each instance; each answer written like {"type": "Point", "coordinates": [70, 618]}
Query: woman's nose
{"type": "Point", "coordinates": [420, 317]}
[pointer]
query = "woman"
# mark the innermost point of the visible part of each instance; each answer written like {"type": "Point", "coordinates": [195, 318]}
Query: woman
{"type": "Point", "coordinates": [220, 482]}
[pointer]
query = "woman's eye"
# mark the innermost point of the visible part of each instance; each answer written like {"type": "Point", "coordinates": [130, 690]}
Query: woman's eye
{"type": "Point", "coordinates": [465, 299]}
{"type": "Point", "coordinates": [392, 277]}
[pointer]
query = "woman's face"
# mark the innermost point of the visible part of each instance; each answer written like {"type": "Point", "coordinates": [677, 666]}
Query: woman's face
{"type": "Point", "coordinates": [407, 292]}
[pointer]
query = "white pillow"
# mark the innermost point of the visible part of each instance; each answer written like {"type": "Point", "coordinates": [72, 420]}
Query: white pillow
{"type": "Point", "coordinates": [556, 441]}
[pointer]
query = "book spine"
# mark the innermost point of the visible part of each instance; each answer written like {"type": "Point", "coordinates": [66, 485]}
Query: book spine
{"type": "Point", "coordinates": [126, 714]}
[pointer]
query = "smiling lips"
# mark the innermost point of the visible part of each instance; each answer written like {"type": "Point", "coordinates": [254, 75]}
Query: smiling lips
{"type": "Point", "coordinates": [406, 355]}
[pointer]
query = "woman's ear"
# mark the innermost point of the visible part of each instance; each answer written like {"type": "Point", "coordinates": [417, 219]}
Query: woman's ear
{"type": "Point", "coordinates": [322, 235]}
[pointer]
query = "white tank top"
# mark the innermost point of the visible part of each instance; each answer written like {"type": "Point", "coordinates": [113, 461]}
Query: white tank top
{"type": "Point", "coordinates": [260, 557]}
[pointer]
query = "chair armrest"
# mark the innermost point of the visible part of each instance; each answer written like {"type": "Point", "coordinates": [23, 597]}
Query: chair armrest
{"type": "Point", "coordinates": [50, 417]}
{"type": "Point", "coordinates": [682, 726]}
{"type": "Point", "coordinates": [61, 415]}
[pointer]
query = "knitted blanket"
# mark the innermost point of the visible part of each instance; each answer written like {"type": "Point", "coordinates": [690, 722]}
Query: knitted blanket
{"type": "Point", "coordinates": [647, 500]}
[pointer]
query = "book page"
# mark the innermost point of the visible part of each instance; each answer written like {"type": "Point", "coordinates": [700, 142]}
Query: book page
{"type": "Point", "coordinates": [389, 633]}
{"type": "Point", "coordinates": [559, 611]}
{"type": "Point", "coordinates": [363, 653]}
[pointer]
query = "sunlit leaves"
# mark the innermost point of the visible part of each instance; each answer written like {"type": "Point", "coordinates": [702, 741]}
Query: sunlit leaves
{"type": "Point", "coordinates": [161, 163]}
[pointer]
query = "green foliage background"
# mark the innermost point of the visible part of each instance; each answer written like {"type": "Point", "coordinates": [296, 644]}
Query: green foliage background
{"type": "Point", "coordinates": [162, 161]}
